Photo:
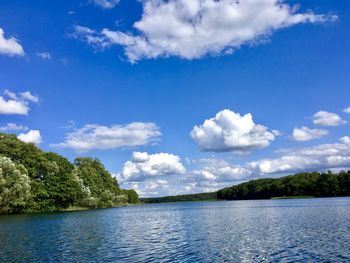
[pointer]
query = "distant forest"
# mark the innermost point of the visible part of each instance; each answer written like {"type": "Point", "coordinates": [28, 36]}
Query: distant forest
{"type": "Point", "coordinates": [303, 184]}
{"type": "Point", "coordinates": [32, 180]}
{"type": "Point", "coordinates": [181, 198]}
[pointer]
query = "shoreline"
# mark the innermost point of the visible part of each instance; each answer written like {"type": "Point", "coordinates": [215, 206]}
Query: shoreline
{"type": "Point", "coordinates": [272, 198]}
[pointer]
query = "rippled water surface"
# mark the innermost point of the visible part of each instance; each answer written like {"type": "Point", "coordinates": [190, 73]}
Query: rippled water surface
{"type": "Point", "coordinates": [308, 230]}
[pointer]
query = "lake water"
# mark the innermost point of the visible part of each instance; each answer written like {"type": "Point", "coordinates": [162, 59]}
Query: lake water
{"type": "Point", "coordinates": [307, 230]}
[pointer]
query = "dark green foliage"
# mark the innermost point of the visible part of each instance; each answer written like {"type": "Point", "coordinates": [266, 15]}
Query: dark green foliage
{"type": "Point", "coordinates": [95, 176]}
{"type": "Point", "coordinates": [132, 196]}
{"type": "Point", "coordinates": [101, 184]}
{"type": "Point", "coordinates": [182, 198]}
{"type": "Point", "coordinates": [61, 185]}
{"type": "Point", "coordinates": [57, 184]}
{"type": "Point", "coordinates": [303, 184]}
{"type": "Point", "coordinates": [26, 154]}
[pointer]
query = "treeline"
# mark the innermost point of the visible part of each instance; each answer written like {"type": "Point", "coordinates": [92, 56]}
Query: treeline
{"type": "Point", "coordinates": [32, 180]}
{"type": "Point", "coordinates": [304, 184]}
{"type": "Point", "coordinates": [182, 198]}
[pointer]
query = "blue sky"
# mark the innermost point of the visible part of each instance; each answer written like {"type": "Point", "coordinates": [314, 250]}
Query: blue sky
{"type": "Point", "coordinates": [103, 79]}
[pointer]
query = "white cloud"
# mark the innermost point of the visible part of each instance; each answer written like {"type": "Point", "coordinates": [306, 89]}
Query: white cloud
{"type": "Point", "coordinates": [106, 4]}
{"type": "Point", "coordinates": [94, 136]}
{"type": "Point", "coordinates": [90, 36]}
{"type": "Point", "coordinates": [324, 156]}
{"type": "Point", "coordinates": [144, 165]}
{"type": "Point", "coordinates": [277, 133]}
{"type": "Point", "coordinates": [33, 136]}
{"type": "Point", "coordinates": [10, 46]}
{"type": "Point", "coordinates": [326, 118]}
{"type": "Point", "coordinates": [151, 187]}
{"type": "Point", "coordinates": [193, 29]}
{"type": "Point", "coordinates": [10, 94]}
{"type": "Point", "coordinates": [44, 55]}
{"type": "Point", "coordinates": [12, 107]}
{"type": "Point", "coordinates": [16, 104]}
{"type": "Point", "coordinates": [221, 171]}
{"type": "Point", "coordinates": [157, 184]}
{"type": "Point", "coordinates": [307, 134]}
{"type": "Point", "coordinates": [13, 127]}
{"type": "Point", "coordinates": [345, 140]}
{"type": "Point", "coordinates": [347, 110]}
{"type": "Point", "coordinates": [229, 131]}
{"type": "Point", "coordinates": [27, 96]}
{"type": "Point", "coordinates": [141, 173]}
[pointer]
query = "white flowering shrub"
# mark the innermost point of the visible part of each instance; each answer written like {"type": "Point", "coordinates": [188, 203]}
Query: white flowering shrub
{"type": "Point", "coordinates": [14, 186]}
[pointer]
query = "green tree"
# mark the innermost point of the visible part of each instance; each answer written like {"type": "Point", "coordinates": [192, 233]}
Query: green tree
{"type": "Point", "coordinates": [54, 182]}
{"type": "Point", "coordinates": [14, 187]}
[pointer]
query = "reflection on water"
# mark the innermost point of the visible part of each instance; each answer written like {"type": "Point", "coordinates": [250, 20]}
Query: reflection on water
{"type": "Point", "coordinates": [242, 231]}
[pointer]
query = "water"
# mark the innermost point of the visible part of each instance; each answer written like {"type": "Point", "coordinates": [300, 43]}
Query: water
{"type": "Point", "coordinates": [307, 230]}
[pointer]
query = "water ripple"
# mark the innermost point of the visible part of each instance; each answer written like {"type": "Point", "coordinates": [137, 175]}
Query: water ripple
{"type": "Point", "coordinates": [309, 230]}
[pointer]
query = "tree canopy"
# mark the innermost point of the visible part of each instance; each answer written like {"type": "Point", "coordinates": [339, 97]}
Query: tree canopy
{"type": "Point", "coordinates": [32, 180]}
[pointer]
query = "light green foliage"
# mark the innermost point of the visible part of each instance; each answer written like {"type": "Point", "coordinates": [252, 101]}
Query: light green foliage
{"type": "Point", "coordinates": [14, 186]}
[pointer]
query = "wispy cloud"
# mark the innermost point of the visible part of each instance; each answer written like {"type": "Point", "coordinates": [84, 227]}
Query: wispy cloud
{"type": "Point", "coordinates": [307, 134]}
{"type": "Point", "coordinates": [13, 127]}
{"type": "Point", "coordinates": [10, 46]}
{"type": "Point", "coordinates": [105, 4]}
{"type": "Point", "coordinates": [44, 55]}
{"type": "Point", "coordinates": [94, 136]}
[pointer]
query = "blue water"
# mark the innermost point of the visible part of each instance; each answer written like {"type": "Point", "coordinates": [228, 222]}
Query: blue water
{"type": "Point", "coordinates": [306, 230]}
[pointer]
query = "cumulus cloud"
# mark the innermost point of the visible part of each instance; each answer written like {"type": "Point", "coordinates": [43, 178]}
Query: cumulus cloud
{"type": "Point", "coordinates": [307, 134]}
{"type": "Point", "coordinates": [324, 156]}
{"type": "Point", "coordinates": [33, 136]}
{"type": "Point", "coordinates": [11, 103]}
{"type": "Point", "coordinates": [207, 175]}
{"type": "Point", "coordinates": [152, 185]}
{"type": "Point", "coordinates": [13, 127]}
{"type": "Point", "coordinates": [347, 110]}
{"type": "Point", "coordinates": [44, 55]}
{"type": "Point", "coordinates": [221, 171]}
{"type": "Point", "coordinates": [105, 4]}
{"type": "Point", "coordinates": [229, 131]}
{"type": "Point", "coordinates": [325, 118]}
{"type": "Point", "coordinates": [193, 29]}
{"type": "Point", "coordinates": [94, 136]}
{"type": "Point", "coordinates": [10, 46]}
{"type": "Point", "coordinates": [144, 165]}
{"type": "Point", "coordinates": [13, 107]}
